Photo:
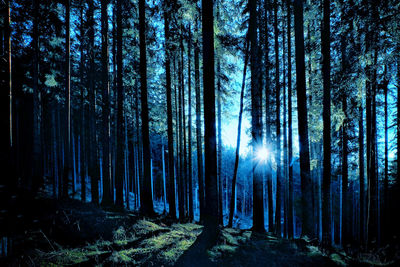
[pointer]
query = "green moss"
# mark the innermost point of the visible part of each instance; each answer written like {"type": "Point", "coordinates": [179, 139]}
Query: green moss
{"type": "Point", "coordinates": [187, 227]}
{"type": "Point", "coordinates": [72, 256]}
{"type": "Point", "coordinates": [338, 259]}
{"type": "Point", "coordinates": [219, 251]}
{"type": "Point", "coordinates": [246, 235]}
{"type": "Point", "coordinates": [232, 231]}
{"type": "Point", "coordinates": [122, 256]}
{"type": "Point", "coordinates": [99, 245]}
{"type": "Point", "coordinates": [228, 238]}
{"type": "Point", "coordinates": [173, 253]}
{"type": "Point", "coordinates": [144, 227]}
{"type": "Point", "coordinates": [314, 251]}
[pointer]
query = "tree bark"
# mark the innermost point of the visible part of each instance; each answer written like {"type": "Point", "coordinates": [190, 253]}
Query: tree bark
{"type": "Point", "coordinates": [290, 126]}
{"type": "Point", "coordinates": [36, 155]}
{"type": "Point", "coordinates": [256, 123]}
{"type": "Point", "coordinates": [67, 148]}
{"type": "Point", "coordinates": [107, 186]}
{"type": "Point", "coordinates": [198, 128]}
{"type": "Point", "coordinates": [235, 170]}
{"type": "Point", "coordinates": [120, 157]}
{"type": "Point", "coordinates": [219, 142]}
{"type": "Point", "coordinates": [7, 118]}
{"type": "Point", "coordinates": [191, 214]}
{"type": "Point", "coordinates": [278, 207]}
{"type": "Point", "coordinates": [210, 149]}
{"type": "Point", "coordinates": [171, 164]}
{"type": "Point", "coordinates": [385, 217]}
{"type": "Point", "coordinates": [326, 69]}
{"type": "Point", "coordinates": [361, 173]}
{"type": "Point", "coordinates": [181, 179]}
{"type": "Point", "coordinates": [185, 158]}
{"type": "Point", "coordinates": [147, 199]}
{"type": "Point", "coordinates": [268, 123]}
{"type": "Point", "coordinates": [83, 128]}
{"type": "Point", "coordinates": [307, 214]}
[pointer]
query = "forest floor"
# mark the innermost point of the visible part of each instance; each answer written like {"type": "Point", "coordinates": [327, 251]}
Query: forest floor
{"type": "Point", "coordinates": [51, 232]}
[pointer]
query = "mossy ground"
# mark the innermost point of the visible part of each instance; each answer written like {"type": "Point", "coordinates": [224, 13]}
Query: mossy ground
{"type": "Point", "coordinates": [70, 233]}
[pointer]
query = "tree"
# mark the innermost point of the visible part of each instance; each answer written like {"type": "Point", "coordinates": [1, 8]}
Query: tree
{"type": "Point", "coordinates": [210, 148]}
{"type": "Point", "coordinates": [385, 211]}
{"type": "Point", "coordinates": [185, 157]}
{"type": "Point", "coordinates": [107, 200]}
{"type": "Point", "coordinates": [191, 213]}
{"type": "Point", "coordinates": [307, 214]}
{"type": "Point", "coordinates": [371, 90]}
{"type": "Point", "coordinates": [171, 164]}
{"type": "Point", "coordinates": [182, 138]}
{"type": "Point", "coordinates": [290, 127]}
{"type": "Point", "coordinates": [92, 140]}
{"type": "Point", "coordinates": [120, 159]}
{"type": "Point", "coordinates": [6, 119]}
{"type": "Point", "coordinates": [67, 154]}
{"type": "Point", "coordinates": [268, 93]}
{"type": "Point", "coordinates": [361, 172]}
{"type": "Point", "coordinates": [278, 209]}
{"type": "Point", "coordinates": [235, 170]}
{"type": "Point", "coordinates": [36, 109]}
{"type": "Point", "coordinates": [146, 194]}
{"type": "Point", "coordinates": [326, 199]}
{"type": "Point", "coordinates": [219, 142]}
{"type": "Point", "coordinates": [82, 114]}
{"type": "Point", "coordinates": [198, 126]}
{"type": "Point", "coordinates": [256, 123]}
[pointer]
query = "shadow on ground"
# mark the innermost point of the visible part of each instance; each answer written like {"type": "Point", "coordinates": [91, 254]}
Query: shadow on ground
{"type": "Point", "coordinates": [49, 232]}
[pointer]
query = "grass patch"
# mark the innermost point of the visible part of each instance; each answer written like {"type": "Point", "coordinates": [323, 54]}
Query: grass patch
{"type": "Point", "coordinates": [143, 227]}
{"type": "Point", "coordinates": [70, 256]}
{"type": "Point", "coordinates": [219, 251]}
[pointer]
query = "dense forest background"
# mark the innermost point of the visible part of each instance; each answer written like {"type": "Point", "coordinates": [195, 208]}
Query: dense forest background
{"type": "Point", "coordinates": [279, 116]}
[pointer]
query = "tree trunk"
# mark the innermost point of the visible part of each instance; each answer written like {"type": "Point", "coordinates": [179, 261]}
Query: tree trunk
{"type": "Point", "coordinates": [181, 189]}
{"type": "Point", "coordinates": [397, 182]}
{"type": "Point", "coordinates": [59, 151]}
{"type": "Point", "coordinates": [372, 228]}
{"type": "Point", "coordinates": [7, 118]}
{"type": "Point", "coordinates": [385, 217]}
{"type": "Point", "coordinates": [171, 172]}
{"type": "Point", "coordinates": [82, 131]}
{"type": "Point", "coordinates": [67, 148]}
{"type": "Point", "coordinates": [219, 148]}
{"type": "Point", "coordinates": [285, 145]}
{"type": "Point", "coordinates": [290, 126]}
{"type": "Point", "coordinates": [36, 155]}
{"type": "Point", "coordinates": [185, 170]}
{"type": "Point", "coordinates": [307, 214]}
{"type": "Point", "coordinates": [147, 200]}
{"type": "Point", "coordinates": [107, 186]}
{"type": "Point", "coordinates": [371, 148]}
{"type": "Point", "coordinates": [139, 149]}
{"type": "Point", "coordinates": [361, 173]}
{"type": "Point", "coordinates": [120, 159]}
{"type": "Point", "coordinates": [210, 149]}
{"type": "Point", "coordinates": [278, 209]}
{"type": "Point", "coordinates": [191, 215]}
{"type": "Point", "coordinates": [235, 170]}
{"type": "Point", "coordinates": [267, 124]}
{"type": "Point", "coordinates": [163, 178]}
{"type": "Point", "coordinates": [198, 128]}
{"type": "Point", "coordinates": [256, 123]}
{"type": "Point", "coordinates": [326, 199]}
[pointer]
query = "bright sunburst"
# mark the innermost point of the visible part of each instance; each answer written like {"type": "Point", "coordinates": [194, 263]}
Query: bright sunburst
{"type": "Point", "coordinates": [262, 154]}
